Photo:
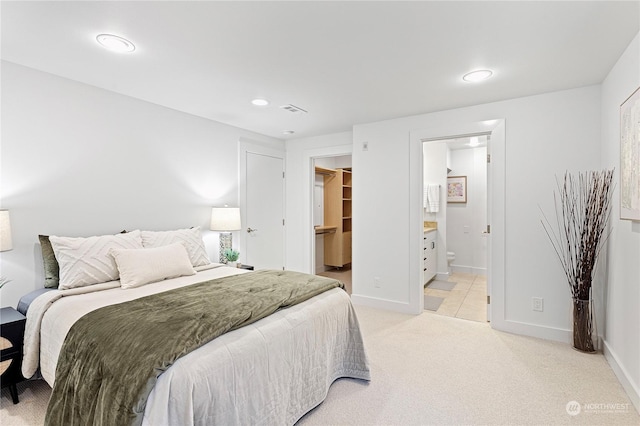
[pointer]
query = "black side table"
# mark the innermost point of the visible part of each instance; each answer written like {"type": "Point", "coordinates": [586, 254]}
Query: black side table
{"type": "Point", "coordinates": [12, 325]}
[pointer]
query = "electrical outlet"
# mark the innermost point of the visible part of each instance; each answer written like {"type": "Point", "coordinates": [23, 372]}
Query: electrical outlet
{"type": "Point", "coordinates": [537, 304]}
{"type": "Point", "coordinates": [376, 282]}
{"type": "Point", "coordinates": [365, 146]}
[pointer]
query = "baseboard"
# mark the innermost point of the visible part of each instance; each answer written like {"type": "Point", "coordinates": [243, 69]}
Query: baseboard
{"type": "Point", "coordinates": [533, 330]}
{"type": "Point", "coordinates": [479, 271]}
{"type": "Point", "coordinates": [621, 373]}
{"type": "Point", "coordinates": [374, 302]}
{"type": "Point", "coordinates": [462, 269]}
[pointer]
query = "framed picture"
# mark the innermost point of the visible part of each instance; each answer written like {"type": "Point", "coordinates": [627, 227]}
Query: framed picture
{"type": "Point", "coordinates": [456, 189]}
{"type": "Point", "coordinates": [629, 155]}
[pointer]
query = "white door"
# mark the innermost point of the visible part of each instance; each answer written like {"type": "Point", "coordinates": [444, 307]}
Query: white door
{"type": "Point", "coordinates": [263, 226]}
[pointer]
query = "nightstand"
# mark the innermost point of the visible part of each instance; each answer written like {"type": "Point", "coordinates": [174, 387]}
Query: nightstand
{"type": "Point", "coordinates": [247, 267]}
{"type": "Point", "coordinates": [11, 337]}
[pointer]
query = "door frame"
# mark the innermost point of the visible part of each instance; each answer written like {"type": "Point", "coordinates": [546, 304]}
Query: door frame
{"type": "Point", "coordinates": [250, 146]}
{"type": "Point", "coordinates": [309, 237]}
{"type": "Point", "coordinates": [496, 190]}
{"type": "Point", "coordinates": [487, 134]}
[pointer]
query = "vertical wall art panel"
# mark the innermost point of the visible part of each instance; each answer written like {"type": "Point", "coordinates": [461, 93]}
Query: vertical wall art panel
{"type": "Point", "coordinates": [630, 157]}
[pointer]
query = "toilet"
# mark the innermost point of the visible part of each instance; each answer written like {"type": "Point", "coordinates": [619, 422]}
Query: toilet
{"type": "Point", "coordinates": [451, 256]}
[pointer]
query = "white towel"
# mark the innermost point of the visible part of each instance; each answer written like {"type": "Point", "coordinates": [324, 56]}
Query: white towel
{"type": "Point", "coordinates": [432, 198]}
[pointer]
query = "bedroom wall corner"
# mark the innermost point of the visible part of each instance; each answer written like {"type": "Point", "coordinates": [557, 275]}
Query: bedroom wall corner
{"type": "Point", "coordinates": [621, 270]}
{"type": "Point", "coordinates": [77, 160]}
{"type": "Point", "coordinates": [546, 134]}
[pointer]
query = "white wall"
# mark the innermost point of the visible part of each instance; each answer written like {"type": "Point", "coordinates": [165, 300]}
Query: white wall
{"type": "Point", "coordinates": [467, 221]}
{"type": "Point", "coordinates": [545, 135]}
{"type": "Point", "coordinates": [622, 294]}
{"type": "Point", "coordinates": [79, 161]}
{"type": "Point", "coordinates": [299, 179]}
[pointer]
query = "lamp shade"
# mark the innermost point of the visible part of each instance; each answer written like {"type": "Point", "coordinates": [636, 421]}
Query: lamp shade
{"type": "Point", "coordinates": [5, 231]}
{"type": "Point", "coordinates": [225, 219]}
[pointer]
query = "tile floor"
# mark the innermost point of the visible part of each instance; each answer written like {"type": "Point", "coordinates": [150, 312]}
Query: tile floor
{"type": "Point", "coordinates": [467, 300]}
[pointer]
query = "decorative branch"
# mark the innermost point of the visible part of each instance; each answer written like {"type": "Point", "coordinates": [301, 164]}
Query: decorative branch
{"type": "Point", "coordinates": [583, 208]}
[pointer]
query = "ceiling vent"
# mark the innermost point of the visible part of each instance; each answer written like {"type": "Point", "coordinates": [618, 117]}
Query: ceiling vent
{"type": "Point", "coordinates": [293, 108]}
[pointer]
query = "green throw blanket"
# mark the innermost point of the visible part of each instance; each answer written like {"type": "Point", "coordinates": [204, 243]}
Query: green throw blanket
{"type": "Point", "coordinates": [112, 357]}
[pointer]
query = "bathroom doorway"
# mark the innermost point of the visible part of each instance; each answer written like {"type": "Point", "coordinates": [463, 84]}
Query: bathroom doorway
{"type": "Point", "coordinates": [455, 215]}
{"type": "Point", "coordinates": [332, 218]}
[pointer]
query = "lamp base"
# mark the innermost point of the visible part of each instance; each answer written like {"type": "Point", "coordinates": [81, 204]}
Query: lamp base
{"type": "Point", "coordinates": [225, 243]}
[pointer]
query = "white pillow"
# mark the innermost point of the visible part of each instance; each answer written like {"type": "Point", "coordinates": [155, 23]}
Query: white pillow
{"type": "Point", "coordinates": [190, 237]}
{"type": "Point", "coordinates": [142, 266]}
{"type": "Point", "coordinates": [86, 261]}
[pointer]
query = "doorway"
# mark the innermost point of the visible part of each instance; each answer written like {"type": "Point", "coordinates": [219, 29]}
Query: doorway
{"type": "Point", "coordinates": [456, 217]}
{"type": "Point", "coordinates": [332, 217]}
{"type": "Point", "coordinates": [496, 189]}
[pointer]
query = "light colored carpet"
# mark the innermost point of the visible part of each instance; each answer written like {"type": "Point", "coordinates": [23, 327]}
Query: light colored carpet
{"type": "Point", "coordinates": [437, 370]}
{"type": "Point", "coordinates": [34, 396]}
{"type": "Point", "coordinates": [432, 303]}
{"type": "Point", "coordinates": [441, 285]}
{"type": "Point", "coordinates": [432, 369]}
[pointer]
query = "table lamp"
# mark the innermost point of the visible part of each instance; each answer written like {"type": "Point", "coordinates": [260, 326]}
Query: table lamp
{"type": "Point", "coordinates": [225, 219]}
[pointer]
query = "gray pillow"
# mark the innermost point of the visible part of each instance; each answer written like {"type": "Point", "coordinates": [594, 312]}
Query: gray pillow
{"type": "Point", "coordinates": [51, 267]}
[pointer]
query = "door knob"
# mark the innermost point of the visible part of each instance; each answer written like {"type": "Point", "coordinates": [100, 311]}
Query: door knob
{"type": "Point", "coordinates": [250, 230]}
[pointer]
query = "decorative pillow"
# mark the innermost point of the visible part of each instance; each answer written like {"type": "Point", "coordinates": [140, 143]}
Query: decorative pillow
{"type": "Point", "coordinates": [142, 266]}
{"type": "Point", "coordinates": [86, 261]}
{"type": "Point", "coordinates": [51, 268]}
{"type": "Point", "coordinates": [190, 237]}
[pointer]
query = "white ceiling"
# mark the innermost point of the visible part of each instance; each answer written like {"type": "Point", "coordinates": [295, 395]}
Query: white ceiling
{"type": "Point", "coordinates": [344, 62]}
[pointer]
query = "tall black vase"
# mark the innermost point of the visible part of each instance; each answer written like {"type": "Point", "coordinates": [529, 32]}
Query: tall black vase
{"type": "Point", "coordinates": [582, 326]}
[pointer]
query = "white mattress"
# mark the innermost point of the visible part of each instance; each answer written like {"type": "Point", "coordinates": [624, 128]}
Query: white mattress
{"type": "Point", "coordinates": [270, 372]}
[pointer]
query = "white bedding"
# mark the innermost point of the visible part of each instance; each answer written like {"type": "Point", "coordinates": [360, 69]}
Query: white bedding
{"type": "Point", "coordinates": [270, 372]}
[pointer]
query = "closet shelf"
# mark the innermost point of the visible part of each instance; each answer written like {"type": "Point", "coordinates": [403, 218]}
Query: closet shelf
{"type": "Point", "coordinates": [337, 210]}
{"type": "Point", "coordinates": [323, 171]}
{"type": "Point", "coordinates": [324, 229]}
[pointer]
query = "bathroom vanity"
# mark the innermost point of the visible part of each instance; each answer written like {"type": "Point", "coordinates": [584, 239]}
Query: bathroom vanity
{"type": "Point", "coordinates": [430, 253]}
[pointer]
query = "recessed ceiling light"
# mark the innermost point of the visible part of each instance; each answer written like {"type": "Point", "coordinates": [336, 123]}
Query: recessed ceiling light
{"type": "Point", "coordinates": [260, 102]}
{"type": "Point", "coordinates": [288, 132]}
{"type": "Point", "coordinates": [478, 75]}
{"type": "Point", "coordinates": [115, 43]}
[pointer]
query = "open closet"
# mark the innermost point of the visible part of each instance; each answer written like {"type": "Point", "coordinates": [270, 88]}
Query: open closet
{"type": "Point", "coordinates": [332, 215]}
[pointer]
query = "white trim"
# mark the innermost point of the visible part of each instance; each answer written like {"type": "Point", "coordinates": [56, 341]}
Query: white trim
{"type": "Point", "coordinates": [468, 269]}
{"type": "Point", "coordinates": [534, 330]}
{"type": "Point", "coordinates": [385, 304]}
{"type": "Point", "coordinates": [245, 146]}
{"type": "Point", "coordinates": [497, 207]}
{"type": "Point", "coordinates": [308, 175]}
{"type": "Point", "coordinates": [632, 389]}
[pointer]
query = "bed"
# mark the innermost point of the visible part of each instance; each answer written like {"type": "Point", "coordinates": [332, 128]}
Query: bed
{"type": "Point", "coordinates": [272, 371]}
